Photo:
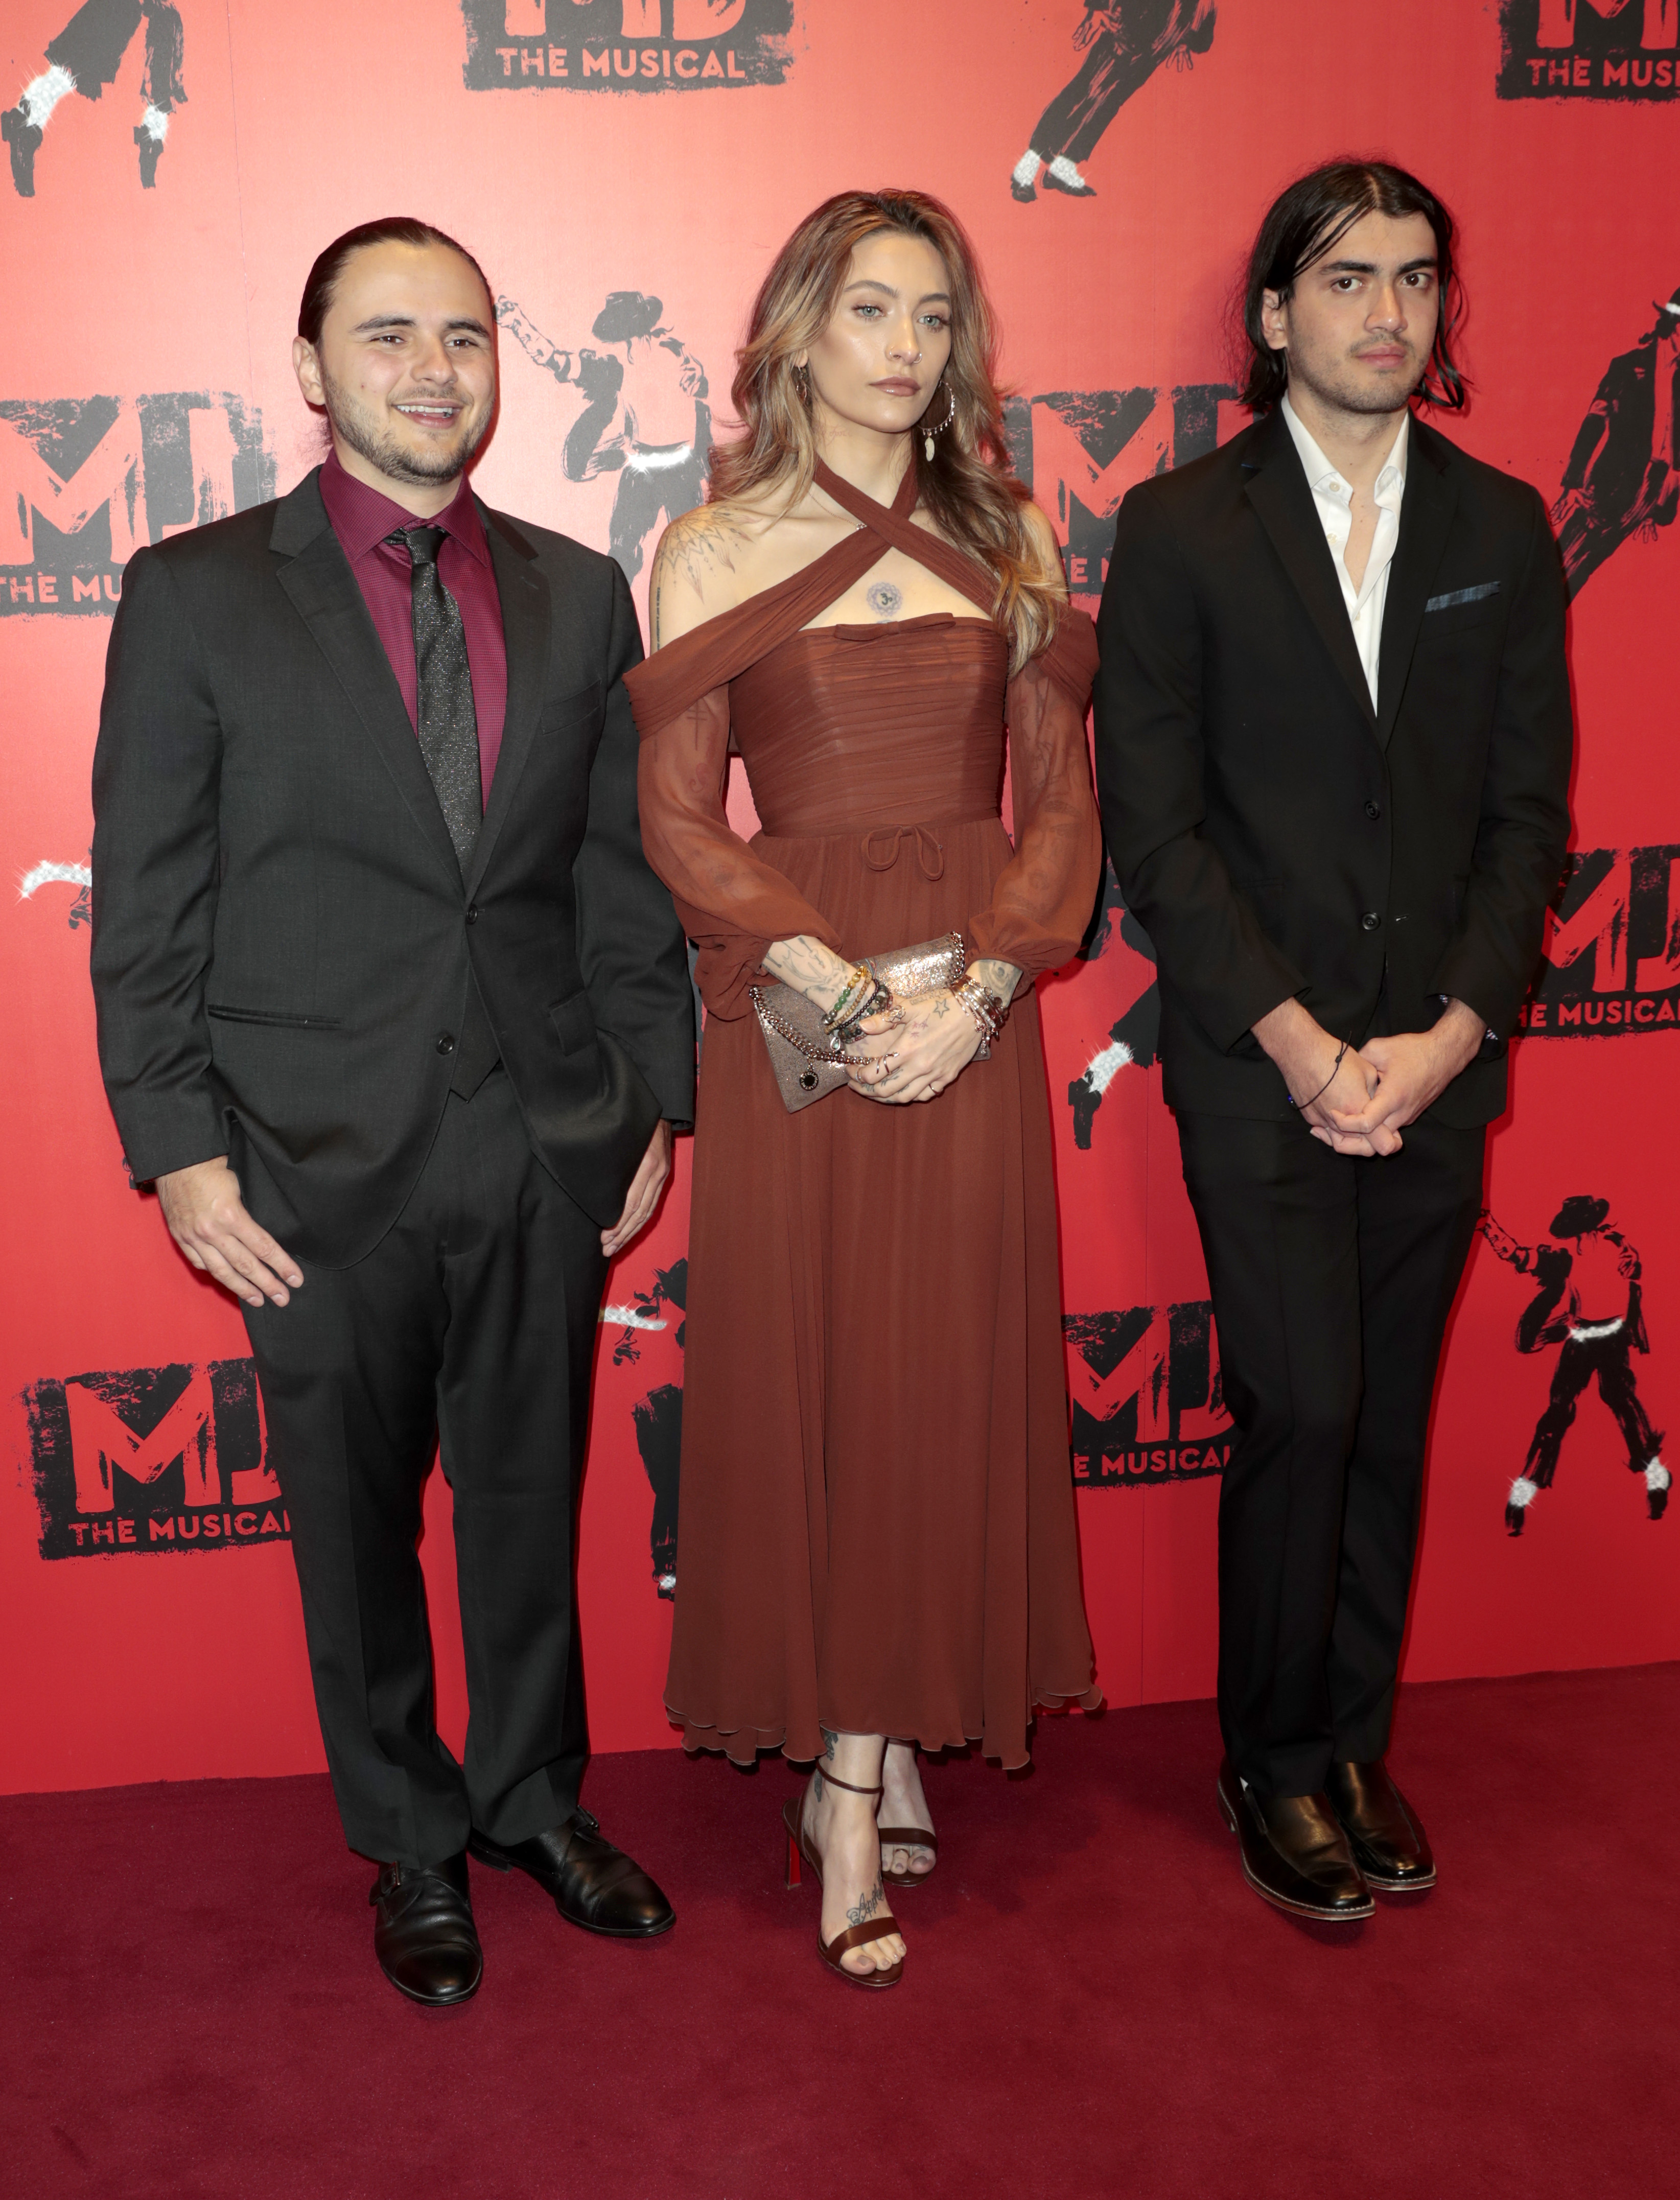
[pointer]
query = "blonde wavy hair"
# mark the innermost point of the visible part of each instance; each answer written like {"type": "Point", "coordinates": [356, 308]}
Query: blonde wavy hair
{"type": "Point", "coordinates": [968, 487]}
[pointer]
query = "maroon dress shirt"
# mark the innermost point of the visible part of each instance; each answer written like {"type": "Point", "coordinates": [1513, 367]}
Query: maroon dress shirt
{"type": "Point", "coordinates": [361, 518]}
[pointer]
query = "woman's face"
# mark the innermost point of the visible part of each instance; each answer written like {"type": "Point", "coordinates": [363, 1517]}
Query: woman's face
{"type": "Point", "coordinates": [876, 364]}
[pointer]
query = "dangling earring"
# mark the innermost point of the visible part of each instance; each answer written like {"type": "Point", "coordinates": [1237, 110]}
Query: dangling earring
{"type": "Point", "coordinates": [802, 383]}
{"type": "Point", "coordinates": [928, 434]}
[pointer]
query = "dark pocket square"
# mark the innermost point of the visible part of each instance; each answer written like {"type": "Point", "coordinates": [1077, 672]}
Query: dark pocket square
{"type": "Point", "coordinates": [1457, 596]}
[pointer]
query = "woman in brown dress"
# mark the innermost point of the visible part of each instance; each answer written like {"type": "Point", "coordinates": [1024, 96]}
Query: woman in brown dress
{"type": "Point", "coordinates": [877, 1546]}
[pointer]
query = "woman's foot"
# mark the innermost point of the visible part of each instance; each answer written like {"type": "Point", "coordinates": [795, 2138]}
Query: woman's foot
{"type": "Point", "coordinates": [841, 1827]}
{"type": "Point", "coordinates": [902, 1805]}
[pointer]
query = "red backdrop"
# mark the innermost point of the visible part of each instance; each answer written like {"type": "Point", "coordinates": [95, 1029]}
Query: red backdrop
{"type": "Point", "coordinates": [662, 147]}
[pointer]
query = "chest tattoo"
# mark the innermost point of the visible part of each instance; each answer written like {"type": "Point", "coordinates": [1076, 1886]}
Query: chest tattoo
{"type": "Point", "coordinates": [884, 601]}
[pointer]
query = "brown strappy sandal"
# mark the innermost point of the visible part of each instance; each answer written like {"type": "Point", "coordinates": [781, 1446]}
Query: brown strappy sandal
{"type": "Point", "coordinates": [907, 1837]}
{"type": "Point", "coordinates": [854, 1936]}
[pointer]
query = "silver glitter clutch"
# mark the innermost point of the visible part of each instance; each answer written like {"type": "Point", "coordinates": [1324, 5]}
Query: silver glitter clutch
{"type": "Point", "coordinates": [806, 1062]}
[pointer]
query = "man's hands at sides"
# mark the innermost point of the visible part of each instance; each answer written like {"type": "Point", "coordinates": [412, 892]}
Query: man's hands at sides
{"type": "Point", "coordinates": [643, 1197]}
{"type": "Point", "coordinates": [1378, 1090]}
{"type": "Point", "coordinates": [208, 1221]}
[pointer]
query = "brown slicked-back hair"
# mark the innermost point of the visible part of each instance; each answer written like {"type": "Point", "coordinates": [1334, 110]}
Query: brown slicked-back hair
{"type": "Point", "coordinates": [968, 487]}
{"type": "Point", "coordinates": [393, 228]}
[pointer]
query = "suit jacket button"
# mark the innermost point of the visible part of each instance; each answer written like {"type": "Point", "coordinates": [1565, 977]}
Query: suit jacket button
{"type": "Point", "coordinates": [1373, 811]}
{"type": "Point", "coordinates": [446, 1042]}
{"type": "Point", "coordinates": [472, 912]}
{"type": "Point", "coordinates": [1369, 922]}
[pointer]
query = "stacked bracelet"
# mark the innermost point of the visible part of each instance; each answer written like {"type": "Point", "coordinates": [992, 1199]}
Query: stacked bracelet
{"type": "Point", "coordinates": [989, 1011]}
{"type": "Point", "coordinates": [874, 1001]}
{"type": "Point", "coordinates": [859, 976]}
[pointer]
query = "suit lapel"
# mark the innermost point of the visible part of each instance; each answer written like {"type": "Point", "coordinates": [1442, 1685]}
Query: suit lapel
{"type": "Point", "coordinates": [524, 624]}
{"type": "Point", "coordinates": [323, 589]}
{"type": "Point", "coordinates": [1426, 518]}
{"type": "Point", "coordinates": [1277, 488]}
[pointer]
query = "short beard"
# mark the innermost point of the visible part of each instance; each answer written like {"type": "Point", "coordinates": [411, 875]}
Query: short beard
{"type": "Point", "coordinates": [1354, 398]}
{"type": "Point", "coordinates": [385, 453]}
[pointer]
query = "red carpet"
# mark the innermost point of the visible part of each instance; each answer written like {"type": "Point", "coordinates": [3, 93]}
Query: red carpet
{"type": "Point", "coordinates": [1094, 2003]}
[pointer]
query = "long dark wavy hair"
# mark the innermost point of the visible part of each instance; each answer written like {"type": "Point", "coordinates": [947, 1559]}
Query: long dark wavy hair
{"type": "Point", "coordinates": [1310, 220]}
{"type": "Point", "coordinates": [968, 486]}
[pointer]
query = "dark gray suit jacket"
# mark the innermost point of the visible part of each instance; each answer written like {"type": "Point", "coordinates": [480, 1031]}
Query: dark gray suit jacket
{"type": "Point", "coordinates": [282, 938]}
{"type": "Point", "coordinates": [1276, 834]}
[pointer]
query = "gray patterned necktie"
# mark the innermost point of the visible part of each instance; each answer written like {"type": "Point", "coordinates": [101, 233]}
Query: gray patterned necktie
{"type": "Point", "coordinates": [448, 721]}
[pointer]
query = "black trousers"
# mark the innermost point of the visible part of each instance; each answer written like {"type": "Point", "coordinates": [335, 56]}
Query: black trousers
{"type": "Point", "coordinates": [1115, 64]}
{"type": "Point", "coordinates": [472, 1321]}
{"type": "Point", "coordinates": [1332, 1279]}
{"type": "Point", "coordinates": [1581, 1359]}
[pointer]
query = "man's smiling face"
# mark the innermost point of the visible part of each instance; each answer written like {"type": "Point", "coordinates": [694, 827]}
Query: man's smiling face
{"type": "Point", "coordinates": [406, 366]}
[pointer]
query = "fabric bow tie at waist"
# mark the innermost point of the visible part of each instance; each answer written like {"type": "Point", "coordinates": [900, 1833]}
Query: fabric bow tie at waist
{"type": "Point", "coordinates": [888, 839]}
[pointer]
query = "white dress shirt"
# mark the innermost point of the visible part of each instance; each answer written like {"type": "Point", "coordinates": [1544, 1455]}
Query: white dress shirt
{"type": "Point", "coordinates": [1333, 498]}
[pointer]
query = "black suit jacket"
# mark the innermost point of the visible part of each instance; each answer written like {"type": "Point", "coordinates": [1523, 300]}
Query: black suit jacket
{"type": "Point", "coordinates": [282, 937]}
{"type": "Point", "coordinates": [1272, 832]}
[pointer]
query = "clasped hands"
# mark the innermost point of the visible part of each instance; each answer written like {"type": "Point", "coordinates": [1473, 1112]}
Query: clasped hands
{"type": "Point", "coordinates": [1362, 1105]}
{"type": "Point", "coordinates": [913, 1049]}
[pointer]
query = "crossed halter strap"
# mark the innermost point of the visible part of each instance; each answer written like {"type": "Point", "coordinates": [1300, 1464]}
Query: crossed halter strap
{"type": "Point", "coordinates": [710, 655]}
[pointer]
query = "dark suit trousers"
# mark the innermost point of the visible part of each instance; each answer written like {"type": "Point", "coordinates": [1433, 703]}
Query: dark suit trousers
{"type": "Point", "coordinates": [1332, 1279]}
{"type": "Point", "coordinates": [472, 1320]}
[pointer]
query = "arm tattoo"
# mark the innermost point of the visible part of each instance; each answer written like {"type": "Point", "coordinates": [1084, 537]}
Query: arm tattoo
{"type": "Point", "coordinates": [998, 978]}
{"type": "Point", "coordinates": [806, 965]}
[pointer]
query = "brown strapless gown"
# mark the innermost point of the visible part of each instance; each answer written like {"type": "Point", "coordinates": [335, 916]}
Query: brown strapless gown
{"type": "Point", "coordinates": [876, 1528]}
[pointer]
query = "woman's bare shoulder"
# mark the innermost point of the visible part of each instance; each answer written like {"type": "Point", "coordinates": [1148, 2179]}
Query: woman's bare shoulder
{"type": "Point", "coordinates": [696, 570]}
{"type": "Point", "coordinates": [708, 561]}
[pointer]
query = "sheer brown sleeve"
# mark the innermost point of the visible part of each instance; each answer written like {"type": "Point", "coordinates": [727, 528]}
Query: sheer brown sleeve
{"type": "Point", "coordinates": [731, 903]}
{"type": "Point", "coordinates": [1043, 898]}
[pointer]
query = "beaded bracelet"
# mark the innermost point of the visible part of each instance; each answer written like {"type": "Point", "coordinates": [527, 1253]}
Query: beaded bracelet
{"type": "Point", "coordinates": [859, 975]}
{"type": "Point", "coordinates": [874, 1003]}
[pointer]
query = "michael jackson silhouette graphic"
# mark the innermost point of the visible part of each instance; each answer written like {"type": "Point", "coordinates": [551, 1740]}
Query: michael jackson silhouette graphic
{"type": "Point", "coordinates": [645, 415]}
{"type": "Point", "coordinates": [85, 57]}
{"type": "Point", "coordinates": [1586, 1300]}
{"type": "Point", "coordinates": [1621, 479]}
{"type": "Point", "coordinates": [1123, 44]}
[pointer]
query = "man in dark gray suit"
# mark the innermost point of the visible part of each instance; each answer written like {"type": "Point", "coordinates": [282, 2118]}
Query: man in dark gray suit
{"type": "Point", "coordinates": [395, 1017]}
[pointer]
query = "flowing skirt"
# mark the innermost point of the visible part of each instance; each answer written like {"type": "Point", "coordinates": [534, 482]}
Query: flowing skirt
{"type": "Point", "coordinates": [876, 1527]}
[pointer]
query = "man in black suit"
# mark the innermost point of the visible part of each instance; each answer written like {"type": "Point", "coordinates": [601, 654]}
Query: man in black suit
{"type": "Point", "coordinates": [1333, 740]}
{"type": "Point", "coordinates": [397, 1020]}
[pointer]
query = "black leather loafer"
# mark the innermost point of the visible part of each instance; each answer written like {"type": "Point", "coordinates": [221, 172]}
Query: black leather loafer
{"type": "Point", "coordinates": [1390, 1846]}
{"type": "Point", "coordinates": [1295, 1853]}
{"type": "Point", "coordinates": [423, 1934]}
{"type": "Point", "coordinates": [594, 1885]}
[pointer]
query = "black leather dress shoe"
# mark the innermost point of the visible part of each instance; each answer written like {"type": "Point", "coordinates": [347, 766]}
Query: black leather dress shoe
{"type": "Point", "coordinates": [423, 1934]}
{"type": "Point", "coordinates": [1390, 1847]}
{"type": "Point", "coordinates": [1295, 1853]}
{"type": "Point", "coordinates": [594, 1885]}
{"type": "Point", "coordinates": [1024, 194]}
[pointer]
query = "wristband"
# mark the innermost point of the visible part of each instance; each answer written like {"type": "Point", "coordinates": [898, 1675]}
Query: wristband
{"type": "Point", "coordinates": [1335, 1068]}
